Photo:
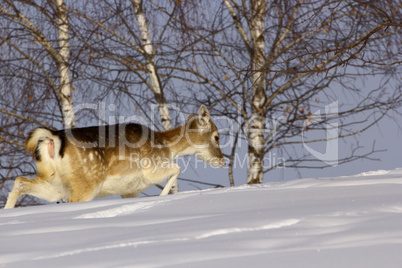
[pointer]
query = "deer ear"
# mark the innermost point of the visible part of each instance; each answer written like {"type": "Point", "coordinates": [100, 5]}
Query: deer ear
{"type": "Point", "coordinates": [203, 116]}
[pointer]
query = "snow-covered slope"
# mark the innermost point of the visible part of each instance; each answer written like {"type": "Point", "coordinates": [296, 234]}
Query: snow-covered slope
{"type": "Point", "coordinates": [331, 222]}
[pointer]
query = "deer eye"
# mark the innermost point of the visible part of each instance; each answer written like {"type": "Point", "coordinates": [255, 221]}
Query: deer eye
{"type": "Point", "coordinates": [217, 139]}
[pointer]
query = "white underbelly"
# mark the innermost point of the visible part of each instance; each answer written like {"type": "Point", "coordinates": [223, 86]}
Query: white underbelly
{"type": "Point", "coordinates": [123, 185]}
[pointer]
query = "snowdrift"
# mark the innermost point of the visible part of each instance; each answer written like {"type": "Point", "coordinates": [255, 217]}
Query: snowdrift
{"type": "Point", "coordinates": [351, 221]}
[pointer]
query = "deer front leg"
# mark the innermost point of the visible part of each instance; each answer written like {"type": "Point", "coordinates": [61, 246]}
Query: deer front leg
{"type": "Point", "coordinates": [16, 192]}
{"type": "Point", "coordinates": [39, 187]}
{"type": "Point", "coordinates": [171, 181]}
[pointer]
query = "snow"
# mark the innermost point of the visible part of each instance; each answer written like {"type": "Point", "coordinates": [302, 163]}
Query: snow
{"type": "Point", "coordinates": [353, 221]}
{"type": "Point", "coordinates": [374, 172]}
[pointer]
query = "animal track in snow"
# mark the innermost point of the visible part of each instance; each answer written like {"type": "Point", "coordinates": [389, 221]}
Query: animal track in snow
{"type": "Point", "coordinates": [121, 211]}
{"type": "Point", "coordinates": [275, 225]}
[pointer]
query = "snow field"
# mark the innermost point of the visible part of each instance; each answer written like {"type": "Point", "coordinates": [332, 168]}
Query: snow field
{"type": "Point", "coordinates": [351, 221]}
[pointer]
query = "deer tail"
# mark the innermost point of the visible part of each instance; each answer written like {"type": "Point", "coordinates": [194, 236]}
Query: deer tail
{"type": "Point", "coordinates": [35, 139]}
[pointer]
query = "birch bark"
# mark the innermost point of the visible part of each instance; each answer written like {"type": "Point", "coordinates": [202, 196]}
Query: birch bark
{"type": "Point", "coordinates": [155, 84]}
{"type": "Point", "coordinates": [256, 124]}
{"type": "Point", "coordinates": [256, 49]}
{"type": "Point", "coordinates": [150, 64]}
{"type": "Point", "coordinates": [66, 98]}
{"type": "Point", "coordinates": [61, 56]}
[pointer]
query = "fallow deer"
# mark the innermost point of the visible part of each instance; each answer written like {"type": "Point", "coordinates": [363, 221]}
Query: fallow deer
{"type": "Point", "coordinates": [124, 159]}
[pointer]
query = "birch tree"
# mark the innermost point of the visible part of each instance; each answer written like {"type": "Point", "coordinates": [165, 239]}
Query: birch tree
{"type": "Point", "coordinates": [36, 83]}
{"type": "Point", "coordinates": [256, 49]}
{"type": "Point", "coordinates": [281, 71]}
{"type": "Point", "coordinates": [62, 60]}
{"type": "Point", "coordinates": [270, 65]}
{"type": "Point", "coordinates": [18, 12]}
{"type": "Point", "coordinates": [125, 27]}
{"type": "Point", "coordinates": [149, 55]}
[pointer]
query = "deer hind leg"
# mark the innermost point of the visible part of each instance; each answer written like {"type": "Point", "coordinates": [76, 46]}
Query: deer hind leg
{"type": "Point", "coordinates": [38, 187]}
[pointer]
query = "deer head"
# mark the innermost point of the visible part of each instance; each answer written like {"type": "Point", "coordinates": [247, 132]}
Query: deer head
{"type": "Point", "coordinates": [203, 136]}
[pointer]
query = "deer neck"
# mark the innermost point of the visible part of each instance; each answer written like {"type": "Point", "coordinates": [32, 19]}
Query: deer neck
{"type": "Point", "coordinates": [177, 141]}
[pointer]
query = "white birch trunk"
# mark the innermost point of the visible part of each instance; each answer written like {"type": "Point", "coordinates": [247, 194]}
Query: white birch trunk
{"type": "Point", "coordinates": [256, 48]}
{"type": "Point", "coordinates": [256, 124]}
{"type": "Point", "coordinates": [155, 84]}
{"type": "Point", "coordinates": [66, 99]}
{"type": "Point", "coordinates": [150, 64]}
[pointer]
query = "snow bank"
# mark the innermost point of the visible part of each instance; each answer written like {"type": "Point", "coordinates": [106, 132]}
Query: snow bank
{"type": "Point", "coordinates": [330, 222]}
